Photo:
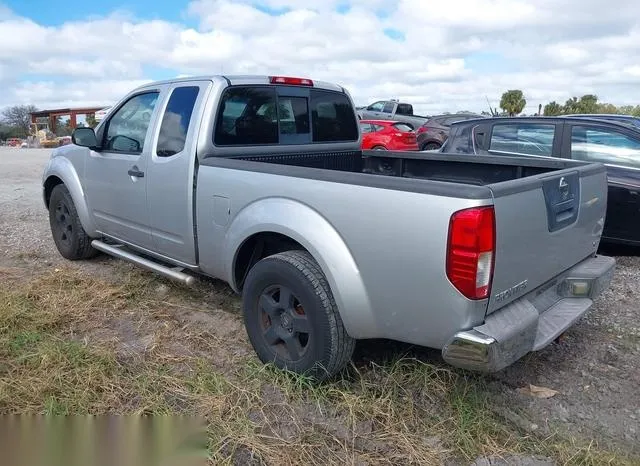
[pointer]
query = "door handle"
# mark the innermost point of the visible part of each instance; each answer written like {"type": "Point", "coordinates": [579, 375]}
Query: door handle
{"type": "Point", "coordinates": [135, 172]}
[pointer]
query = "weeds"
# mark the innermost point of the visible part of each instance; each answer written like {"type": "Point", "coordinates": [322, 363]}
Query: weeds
{"type": "Point", "coordinates": [73, 344]}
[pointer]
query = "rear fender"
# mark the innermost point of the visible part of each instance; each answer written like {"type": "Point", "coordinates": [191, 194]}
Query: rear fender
{"type": "Point", "coordinates": [306, 226]}
{"type": "Point", "coordinates": [62, 168]}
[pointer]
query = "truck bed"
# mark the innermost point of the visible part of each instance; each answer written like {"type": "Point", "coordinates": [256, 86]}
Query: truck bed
{"type": "Point", "coordinates": [478, 171]}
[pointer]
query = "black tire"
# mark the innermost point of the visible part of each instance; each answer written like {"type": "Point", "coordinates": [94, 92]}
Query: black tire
{"type": "Point", "coordinates": [274, 332]}
{"type": "Point", "coordinates": [379, 148]}
{"type": "Point", "coordinates": [72, 241]}
{"type": "Point", "coordinates": [431, 146]}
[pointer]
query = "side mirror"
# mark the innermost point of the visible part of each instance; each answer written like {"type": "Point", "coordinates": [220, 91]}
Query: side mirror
{"type": "Point", "coordinates": [85, 137]}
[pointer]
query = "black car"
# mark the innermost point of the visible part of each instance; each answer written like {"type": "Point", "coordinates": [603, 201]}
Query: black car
{"type": "Point", "coordinates": [616, 144]}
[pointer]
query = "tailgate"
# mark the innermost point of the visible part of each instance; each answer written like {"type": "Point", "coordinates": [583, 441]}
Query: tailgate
{"type": "Point", "coordinates": [545, 224]}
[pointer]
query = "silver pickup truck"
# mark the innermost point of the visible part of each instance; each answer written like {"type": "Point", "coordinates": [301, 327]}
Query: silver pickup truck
{"type": "Point", "coordinates": [260, 182]}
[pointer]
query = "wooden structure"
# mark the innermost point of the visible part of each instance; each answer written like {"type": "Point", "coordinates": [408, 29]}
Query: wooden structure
{"type": "Point", "coordinates": [52, 115]}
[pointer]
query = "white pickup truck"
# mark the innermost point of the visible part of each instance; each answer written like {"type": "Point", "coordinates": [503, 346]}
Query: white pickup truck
{"type": "Point", "coordinates": [260, 181]}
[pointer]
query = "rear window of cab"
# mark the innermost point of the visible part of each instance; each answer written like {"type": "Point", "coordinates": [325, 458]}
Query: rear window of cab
{"type": "Point", "coordinates": [263, 115]}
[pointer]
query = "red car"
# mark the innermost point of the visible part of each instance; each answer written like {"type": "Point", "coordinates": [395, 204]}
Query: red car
{"type": "Point", "coordinates": [387, 135]}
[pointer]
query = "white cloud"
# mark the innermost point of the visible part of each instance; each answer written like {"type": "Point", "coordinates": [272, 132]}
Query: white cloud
{"type": "Point", "coordinates": [454, 54]}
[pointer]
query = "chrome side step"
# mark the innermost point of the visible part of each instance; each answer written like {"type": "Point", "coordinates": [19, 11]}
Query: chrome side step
{"type": "Point", "coordinates": [173, 273]}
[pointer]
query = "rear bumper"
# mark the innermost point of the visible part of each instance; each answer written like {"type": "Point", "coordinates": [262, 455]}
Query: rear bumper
{"type": "Point", "coordinates": [532, 322]}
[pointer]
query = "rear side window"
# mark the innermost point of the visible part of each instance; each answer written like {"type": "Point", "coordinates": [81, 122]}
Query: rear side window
{"type": "Point", "coordinates": [459, 141]}
{"type": "Point", "coordinates": [332, 117]}
{"type": "Point", "coordinates": [523, 138]}
{"type": "Point", "coordinates": [403, 127]}
{"type": "Point", "coordinates": [606, 146]}
{"type": "Point", "coordinates": [176, 119]}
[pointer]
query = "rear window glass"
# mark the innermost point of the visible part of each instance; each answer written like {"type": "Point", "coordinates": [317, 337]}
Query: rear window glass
{"type": "Point", "coordinates": [256, 115]}
{"type": "Point", "coordinates": [523, 138]}
{"type": "Point", "coordinates": [403, 127]}
{"type": "Point", "coordinates": [247, 116]}
{"type": "Point", "coordinates": [293, 114]}
{"type": "Point", "coordinates": [404, 109]}
{"type": "Point", "coordinates": [332, 117]}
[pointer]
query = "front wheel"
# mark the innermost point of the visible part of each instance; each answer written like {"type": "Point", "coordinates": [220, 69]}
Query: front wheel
{"type": "Point", "coordinates": [72, 241]}
{"type": "Point", "coordinates": [292, 319]}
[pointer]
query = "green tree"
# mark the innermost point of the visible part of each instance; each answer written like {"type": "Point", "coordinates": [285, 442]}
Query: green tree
{"type": "Point", "coordinates": [7, 132]}
{"type": "Point", "coordinates": [608, 108]}
{"type": "Point", "coordinates": [572, 105]}
{"type": "Point", "coordinates": [588, 104]}
{"type": "Point", "coordinates": [19, 118]}
{"type": "Point", "coordinates": [552, 109]}
{"type": "Point", "coordinates": [91, 120]}
{"type": "Point", "coordinates": [513, 102]}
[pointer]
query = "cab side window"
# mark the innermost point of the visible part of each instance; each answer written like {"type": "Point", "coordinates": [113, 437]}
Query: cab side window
{"type": "Point", "coordinates": [176, 119]}
{"type": "Point", "coordinates": [127, 128]}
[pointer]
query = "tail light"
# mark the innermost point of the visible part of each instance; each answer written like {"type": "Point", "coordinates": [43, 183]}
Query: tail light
{"type": "Point", "coordinates": [471, 251]}
{"type": "Point", "coordinates": [421, 129]}
{"type": "Point", "coordinates": [291, 81]}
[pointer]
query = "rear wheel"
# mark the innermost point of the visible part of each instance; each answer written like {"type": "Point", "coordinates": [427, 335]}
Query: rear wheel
{"type": "Point", "coordinates": [72, 241]}
{"type": "Point", "coordinates": [292, 319]}
{"type": "Point", "coordinates": [431, 146]}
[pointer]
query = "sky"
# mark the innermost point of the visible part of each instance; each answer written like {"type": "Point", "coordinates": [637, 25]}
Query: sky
{"type": "Point", "coordinates": [441, 56]}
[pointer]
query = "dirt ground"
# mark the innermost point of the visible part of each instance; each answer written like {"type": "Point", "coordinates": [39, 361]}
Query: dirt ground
{"type": "Point", "coordinates": [594, 367]}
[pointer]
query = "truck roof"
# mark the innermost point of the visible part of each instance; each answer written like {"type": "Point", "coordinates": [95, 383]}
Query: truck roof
{"type": "Point", "coordinates": [241, 79]}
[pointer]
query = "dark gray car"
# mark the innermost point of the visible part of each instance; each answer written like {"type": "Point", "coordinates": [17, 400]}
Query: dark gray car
{"type": "Point", "coordinates": [434, 132]}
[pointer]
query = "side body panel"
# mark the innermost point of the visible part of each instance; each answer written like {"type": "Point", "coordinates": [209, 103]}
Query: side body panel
{"type": "Point", "coordinates": [383, 250]}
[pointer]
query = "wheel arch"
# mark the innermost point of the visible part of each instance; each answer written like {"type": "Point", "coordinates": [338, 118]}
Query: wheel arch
{"type": "Point", "coordinates": [61, 171]}
{"type": "Point", "coordinates": [288, 224]}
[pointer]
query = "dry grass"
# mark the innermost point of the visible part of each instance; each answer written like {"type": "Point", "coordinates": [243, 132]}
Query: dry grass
{"type": "Point", "coordinates": [75, 344]}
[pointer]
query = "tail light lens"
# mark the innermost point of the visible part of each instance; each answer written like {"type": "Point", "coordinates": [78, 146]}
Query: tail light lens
{"type": "Point", "coordinates": [421, 129]}
{"type": "Point", "coordinates": [471, 251]}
